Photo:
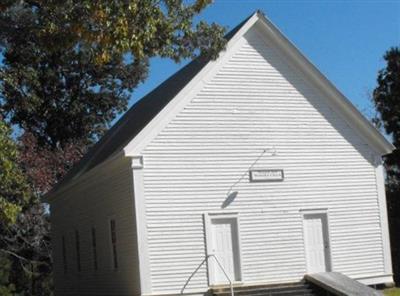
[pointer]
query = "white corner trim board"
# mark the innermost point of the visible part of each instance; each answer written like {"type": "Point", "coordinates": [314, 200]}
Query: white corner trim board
{"type": "Point", "coordinates": [380, 184]}
{"type": "Point", "coordinates": [141, 226]}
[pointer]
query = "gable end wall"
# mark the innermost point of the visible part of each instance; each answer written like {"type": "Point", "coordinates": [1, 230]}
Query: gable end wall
{"type": "Point", "coordinates": [258, 112]}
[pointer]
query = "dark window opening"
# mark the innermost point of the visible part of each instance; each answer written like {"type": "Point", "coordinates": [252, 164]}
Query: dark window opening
{"type": "Point", "coordinates": [113, 234]}
{"type": "Point", "coordinates": [78, 251]}
{"type": "Point", "coordinates": [94, 248]}
{"type": "Point", "coordinates": [64, 255]}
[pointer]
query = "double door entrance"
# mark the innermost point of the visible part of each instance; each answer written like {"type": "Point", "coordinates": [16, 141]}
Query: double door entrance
{"type": "Point", "coordinates": [224, 248]}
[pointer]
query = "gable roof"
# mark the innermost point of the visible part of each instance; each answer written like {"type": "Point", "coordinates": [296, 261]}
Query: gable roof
{"type": "Point", "coordinates": [149, 106]}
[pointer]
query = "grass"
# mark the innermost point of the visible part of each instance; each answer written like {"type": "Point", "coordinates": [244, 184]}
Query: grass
{"type": "Point", "coordinates": [392, 292]}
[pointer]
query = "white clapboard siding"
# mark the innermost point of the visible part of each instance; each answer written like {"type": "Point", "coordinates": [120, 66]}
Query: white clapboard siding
{"type": "Point", "coordinates": [91, 202]}
{"type": "Point", "coordinates": [258, 102]}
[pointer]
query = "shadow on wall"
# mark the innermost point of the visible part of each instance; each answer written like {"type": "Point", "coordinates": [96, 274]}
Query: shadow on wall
{"type": "Point", "coordinates": [393, 204]}
{"type": "Point", "coordinates": [230, 198]}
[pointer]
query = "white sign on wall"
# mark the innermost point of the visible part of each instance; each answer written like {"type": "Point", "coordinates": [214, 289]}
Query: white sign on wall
{"type": "Point", "coordinates": [266, 175]}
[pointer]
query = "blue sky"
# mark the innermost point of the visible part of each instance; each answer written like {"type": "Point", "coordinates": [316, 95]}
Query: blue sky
{"type": "Point", "coordinates": [344, 39]}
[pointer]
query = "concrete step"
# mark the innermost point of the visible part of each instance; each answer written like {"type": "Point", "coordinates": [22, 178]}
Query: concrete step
{"type": "Point", "coordinates": [280, 293]}
{"type": "Point", "coordinates": [237, 288]}
{"type": "Point", "coordinates": [262, 291]}
{"type": "Point", "coordinates": [288, 293]}
{"type": "Point", "coordinates": [292, 289]}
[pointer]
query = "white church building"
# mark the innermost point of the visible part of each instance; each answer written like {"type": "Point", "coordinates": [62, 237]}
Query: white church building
{"type": "Point", "coordinates": [250, 169]}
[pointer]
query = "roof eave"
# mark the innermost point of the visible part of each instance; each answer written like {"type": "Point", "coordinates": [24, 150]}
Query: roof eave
{"type": "Point", "coordinates": [61, 187]}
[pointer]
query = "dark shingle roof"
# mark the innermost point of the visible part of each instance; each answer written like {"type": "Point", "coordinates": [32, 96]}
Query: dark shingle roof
{"type": "Point", "coordinates": [138, 116]}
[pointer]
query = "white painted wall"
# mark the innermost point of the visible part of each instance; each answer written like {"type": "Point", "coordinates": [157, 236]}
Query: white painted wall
{"type": "Point", "coordinates": [199, 163]}
{"type": "Point", "coordinates": [90, 202]}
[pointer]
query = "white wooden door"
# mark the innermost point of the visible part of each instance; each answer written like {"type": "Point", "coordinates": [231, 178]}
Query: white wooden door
{"type": "Point", "coordinates": [316, 243]}
{"type": "Point", "coordinates": [225, 248]}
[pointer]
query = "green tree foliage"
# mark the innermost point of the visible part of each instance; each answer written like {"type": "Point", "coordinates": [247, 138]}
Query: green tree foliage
{"type": "Point", "coordinates": [14, 191]}
{"type": "Point", "coordinates": [386, 98]}
{"type": "Point", "coordinates": [14, 194]}
{"type": "Point", "coordinates": [69, 67]}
